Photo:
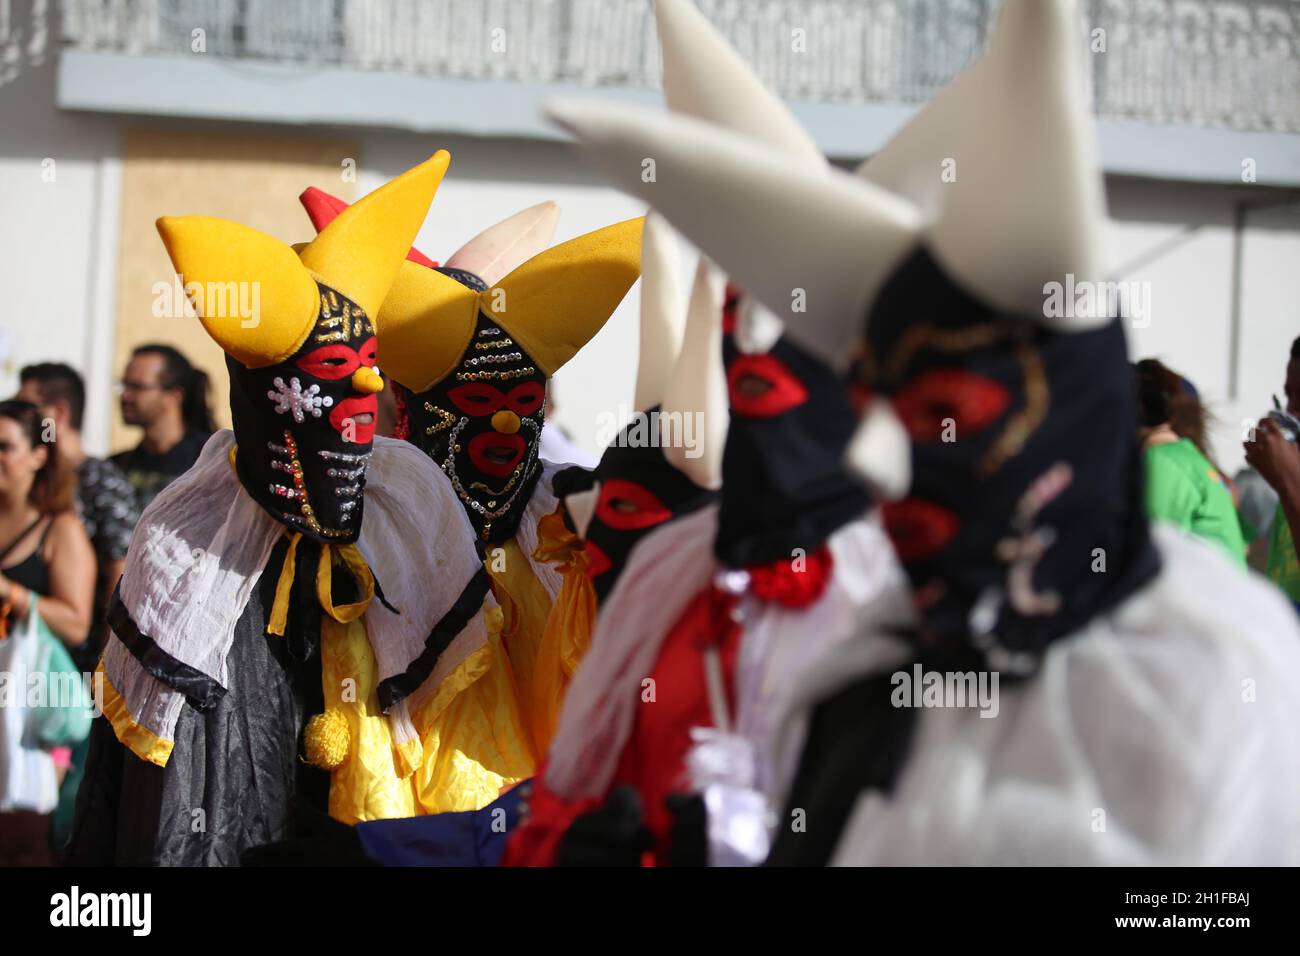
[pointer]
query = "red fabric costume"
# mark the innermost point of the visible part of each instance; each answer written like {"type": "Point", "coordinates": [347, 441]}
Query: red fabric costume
{"type": "Point", "coordinates": [653, 759]}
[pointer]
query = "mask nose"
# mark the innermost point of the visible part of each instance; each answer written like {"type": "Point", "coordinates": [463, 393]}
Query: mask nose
{"type": "Point", "coordinates": [506, 422]}
{"type": "Point", "coordinates": [880, 452]}
{"type": "Point", "coordinates": [367, 380]}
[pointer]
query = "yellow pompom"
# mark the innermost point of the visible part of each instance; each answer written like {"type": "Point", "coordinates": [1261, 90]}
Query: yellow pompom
{"type": "Point", "coordinates": [327, 739]}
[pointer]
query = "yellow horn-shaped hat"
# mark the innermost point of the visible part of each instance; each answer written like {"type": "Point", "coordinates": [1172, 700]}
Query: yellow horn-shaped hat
{"type": "Point", "coordinates": [551, 305]}
{"type": "Point", "coordinates": [228, 267]}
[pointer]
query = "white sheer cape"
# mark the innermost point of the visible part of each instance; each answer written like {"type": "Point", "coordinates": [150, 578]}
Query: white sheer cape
{"type": "Point", "coordinates": [201, 546]}
{"type": "Point", "coordinates": [1163, 733]}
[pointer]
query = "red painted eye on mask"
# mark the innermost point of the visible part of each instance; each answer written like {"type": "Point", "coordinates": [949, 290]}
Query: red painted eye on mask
{"type": "Point", "coordinates": [760, 386]}
{"type": "Point", "coordinates": [949, 398]}
{"type": "Point", "coordinates": [477, 399]}
{"type": "Point", "coordinates": [626, 506]}
{"type": "Point", "coordinates": [332, 361]}
{"type": "Point", "coordinates": [526, 398]}
{"type": "Point", "coordinates": [368, 352]}
{"type": "Point", "coordinates": [919, 529]}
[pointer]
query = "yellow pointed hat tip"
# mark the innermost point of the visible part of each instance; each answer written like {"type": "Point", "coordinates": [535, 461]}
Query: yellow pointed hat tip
{"type": "Point", "coordinates": [551, 305]}
{"type": "Point", "coordinates": [557, 301]}
{"type": "Point", "coordinates": [360, 251]}
{"type": "Point", "coordinates": [250, 291]}
{"type": "Point", "coordinates": [425, 326]}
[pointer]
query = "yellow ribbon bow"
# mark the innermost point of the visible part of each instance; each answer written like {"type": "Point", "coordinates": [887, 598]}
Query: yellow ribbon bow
{"type": "Point", "coordinates": [348, 555]}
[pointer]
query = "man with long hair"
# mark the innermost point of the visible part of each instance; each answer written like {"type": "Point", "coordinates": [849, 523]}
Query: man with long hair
{"type": "Point", "coordinates": [165, 395]}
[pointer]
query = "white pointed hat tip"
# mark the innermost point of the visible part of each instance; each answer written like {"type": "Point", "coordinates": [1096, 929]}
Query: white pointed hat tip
{"type": "Point", "coordinates": [501, 248]}
{"type": "Point", "coordinates": [880, 453]}
{"type": "Point", "coordinates": [702, 468]}
{"type": "Point", "coordinates": [706, 77]}
{"type": "Point", "coordinates": [581, 506]}
{"type": "Point", "coordinates": [546, 212]}
{"type": "Point", "coordinates": [663, 319]}
{"type": "Point", "coordinates": [573, 113]}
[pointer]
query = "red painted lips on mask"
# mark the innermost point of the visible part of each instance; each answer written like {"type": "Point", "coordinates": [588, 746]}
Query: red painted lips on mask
{"type": "Point", "coordinates": [496, 454]}
{"type": "Point", "coordinates": [354, 410]}
{"type": "Point", "coordinates": [760, 386]}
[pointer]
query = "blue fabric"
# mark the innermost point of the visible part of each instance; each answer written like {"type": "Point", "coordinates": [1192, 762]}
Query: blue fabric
{"type": "Point", "coordinates": [469, 838]}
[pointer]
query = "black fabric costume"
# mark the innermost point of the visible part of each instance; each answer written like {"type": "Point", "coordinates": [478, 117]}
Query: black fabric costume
{"type": "Point", "coordinates": [235, 774]}
{"type": "Point", "coordinates": [785, 486]}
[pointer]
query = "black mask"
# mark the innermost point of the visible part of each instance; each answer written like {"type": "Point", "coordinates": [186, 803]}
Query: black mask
{"type": "Point", "coordinates": [784, 484]}
{"type": "Point", "coordinates": [302, 454]}
{"type": "Point", "coordinates": [482, 423]}
{"type": "Point", "coordinates": [639, 491]}
{"type": "Point", "coordinates": [1025, 516]}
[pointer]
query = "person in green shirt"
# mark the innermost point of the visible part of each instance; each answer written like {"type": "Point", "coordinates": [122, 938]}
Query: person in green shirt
{"type": "Point", "coordinates": [1183, 486]}
{"type": "Point", "coordinates": [1273, 453]}
{"type": "Point", "coordinates": [1283, 567]}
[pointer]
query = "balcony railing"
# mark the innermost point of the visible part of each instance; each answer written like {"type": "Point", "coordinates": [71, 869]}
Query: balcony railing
{"type": "Point", "coordinates": [1219, 63]}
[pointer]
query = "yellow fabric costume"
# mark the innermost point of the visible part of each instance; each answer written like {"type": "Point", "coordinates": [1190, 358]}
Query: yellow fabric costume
{"type": "Point", "coordinates": [492, 720]}
{"type": "Point", "coordinates": [568, 626]}
{"type": "Point", "coordinates": [474, 358]}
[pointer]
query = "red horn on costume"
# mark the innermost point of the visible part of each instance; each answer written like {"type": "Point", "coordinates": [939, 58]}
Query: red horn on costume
{"type": "Point", "coordinates": [322, 208]}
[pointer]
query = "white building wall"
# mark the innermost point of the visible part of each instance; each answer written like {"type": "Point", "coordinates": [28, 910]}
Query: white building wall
{"type": "Point", "coordinates": [1191, 288]}
{"type": "Point", "coordinates": [59, 187]}
{"type": "Point", "coordinates": [58, 240]}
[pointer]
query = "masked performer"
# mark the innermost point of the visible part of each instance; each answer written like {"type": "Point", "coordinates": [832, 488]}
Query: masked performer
{"type": "Point", "coordinates": [473, 357]}
{"type": "Point", "coordinates": [1148, 689]}
{"type": "Point", "coordinates": [783, 553]}
{"type": "Point", "coordinates": [792, 566]}
{"type": "Point", "coordinates": [665, 464]}
{"type": "Point", "coordinates": [284, 602]}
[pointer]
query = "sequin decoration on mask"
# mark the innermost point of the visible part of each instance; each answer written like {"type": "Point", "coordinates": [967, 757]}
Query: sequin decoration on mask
{"type": "Point", "coordinates": [305, 425]}
{"type": "Point", "coordinates": [482, 424]}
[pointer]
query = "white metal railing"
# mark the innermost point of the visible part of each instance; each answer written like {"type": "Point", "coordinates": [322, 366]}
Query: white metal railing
{"type": "Point", "coordinates": [24, 36]}
{"type": "Point", "coordinates": [1221, 63]}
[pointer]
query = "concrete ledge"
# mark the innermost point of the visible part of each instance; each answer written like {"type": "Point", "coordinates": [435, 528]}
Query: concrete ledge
{"type": "Point", "coordinates": [205, 86]}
